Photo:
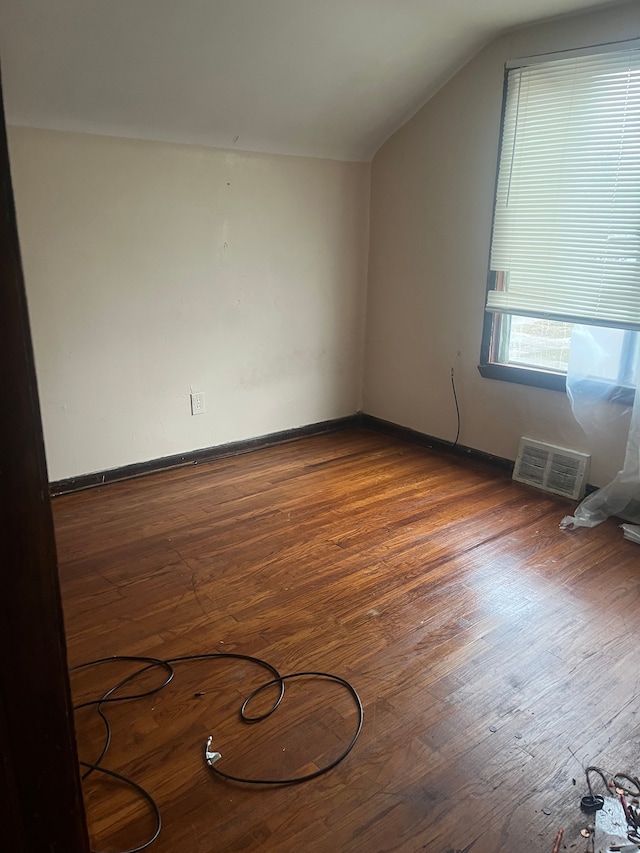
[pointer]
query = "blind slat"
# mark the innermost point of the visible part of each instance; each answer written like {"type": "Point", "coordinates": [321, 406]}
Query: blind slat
{"type": "Point", "coordinates": [567, 214]}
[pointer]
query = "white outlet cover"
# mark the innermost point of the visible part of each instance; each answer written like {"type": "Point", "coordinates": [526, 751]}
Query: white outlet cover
{"type": "Point", "coordinates": [197, 403]}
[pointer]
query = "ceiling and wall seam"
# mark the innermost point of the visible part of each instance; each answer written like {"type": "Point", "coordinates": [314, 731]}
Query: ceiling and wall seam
{"type": "Point", "coordinates": [328, 81]}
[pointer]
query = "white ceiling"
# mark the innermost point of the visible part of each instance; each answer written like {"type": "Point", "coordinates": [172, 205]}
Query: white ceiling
{"type": "Point", "coordinates": [322, 78]}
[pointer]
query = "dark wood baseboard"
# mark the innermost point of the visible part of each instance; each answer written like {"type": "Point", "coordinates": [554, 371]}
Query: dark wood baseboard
{"type": "Point", "coordinates": [411, 435]}
{"type": "Point", "coordinates": [235, 448]}
{"type": "Point", "coordinates": [415, 437]}
{"type": "Point", "coordinates": [196, 457]}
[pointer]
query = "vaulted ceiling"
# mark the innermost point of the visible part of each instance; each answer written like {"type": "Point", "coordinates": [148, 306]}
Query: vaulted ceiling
{"type": "Point", "coordinates": [323, 78]}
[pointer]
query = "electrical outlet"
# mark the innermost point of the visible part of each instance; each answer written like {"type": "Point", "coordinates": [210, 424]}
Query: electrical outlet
{"type": "Point", "coordinates": [197, 403]}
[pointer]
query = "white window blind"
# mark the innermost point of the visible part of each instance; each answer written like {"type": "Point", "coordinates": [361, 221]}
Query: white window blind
{"type": "Point", "coordinates": [566, 229]}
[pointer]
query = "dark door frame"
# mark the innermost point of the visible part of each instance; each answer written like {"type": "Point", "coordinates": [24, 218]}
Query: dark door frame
{"type": "Point", "coordinates": [41, 808]}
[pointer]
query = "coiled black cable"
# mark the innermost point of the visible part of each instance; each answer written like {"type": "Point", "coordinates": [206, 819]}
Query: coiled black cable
{"type": "Point", "coordinates": [167, 666]}
{"type": "Point", "coordinates": [296, 779]}
{"type": "Point", "coordinates": [108, 696]}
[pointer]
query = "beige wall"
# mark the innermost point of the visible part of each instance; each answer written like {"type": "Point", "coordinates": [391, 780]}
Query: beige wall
{"type": "Point", "coordinates": [431, 205]}
{"type": "Point", "coordinates": [153, 269]}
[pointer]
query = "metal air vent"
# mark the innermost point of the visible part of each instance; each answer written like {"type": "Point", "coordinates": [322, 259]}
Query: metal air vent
{"type": "Point", "coordinates": [553, 469]}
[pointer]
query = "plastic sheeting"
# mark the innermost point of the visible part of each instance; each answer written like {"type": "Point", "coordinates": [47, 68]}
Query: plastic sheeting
{"type": "Point", "coordinates": [593, 357]}
{"type": "Point", "coordinates": [632, 532]}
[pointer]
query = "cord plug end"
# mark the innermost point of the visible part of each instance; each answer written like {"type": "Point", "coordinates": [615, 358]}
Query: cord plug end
{"type": "Point", "coordinates": [591, 803]}
{"type": "Point", "coordinates": [209, 755]}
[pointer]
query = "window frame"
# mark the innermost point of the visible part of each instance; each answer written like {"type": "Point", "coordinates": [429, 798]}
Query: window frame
{"type": "Point", "coordinates": [489, 367]}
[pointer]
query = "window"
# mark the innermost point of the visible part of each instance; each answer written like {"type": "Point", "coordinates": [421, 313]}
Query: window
{"type": "Point", "coordinates": [565, 244]}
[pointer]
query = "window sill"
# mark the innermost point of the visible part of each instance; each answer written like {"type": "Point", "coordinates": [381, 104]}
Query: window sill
{"type": "Point", "coordinates": [524, 376]}
{"type": "Point", "coordinates": [605, 391]}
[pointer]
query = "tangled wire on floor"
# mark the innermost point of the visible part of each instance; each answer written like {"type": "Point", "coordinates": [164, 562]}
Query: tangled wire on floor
{"type": "Point", "coordinates": [167, 668]}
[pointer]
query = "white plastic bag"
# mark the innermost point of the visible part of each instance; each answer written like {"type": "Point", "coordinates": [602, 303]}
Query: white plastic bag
{"type": "Point", "coordinates": [593, 353]}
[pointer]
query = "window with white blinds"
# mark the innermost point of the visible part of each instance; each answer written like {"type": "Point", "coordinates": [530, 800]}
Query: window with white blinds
{"type": "Point", "coordinates": [566, 233]}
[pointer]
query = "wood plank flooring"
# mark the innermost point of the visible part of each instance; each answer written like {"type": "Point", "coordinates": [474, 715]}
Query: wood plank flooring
{"type": "Point", "coordinates": [495, 655]}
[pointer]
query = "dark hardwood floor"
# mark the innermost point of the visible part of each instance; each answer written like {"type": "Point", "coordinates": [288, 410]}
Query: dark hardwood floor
{"type": "Point", "coordinates": [495, 654]}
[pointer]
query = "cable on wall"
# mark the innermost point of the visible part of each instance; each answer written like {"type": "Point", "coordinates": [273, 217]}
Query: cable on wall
{"type": "Point", "coordinates": [454, 443]}
{"type": "Point", "coordinates": [455, 399]}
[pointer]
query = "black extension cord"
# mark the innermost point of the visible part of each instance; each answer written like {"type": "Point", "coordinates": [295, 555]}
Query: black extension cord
{"type": "Point", "coordinates": [454, 443]}
{"type": "Point", "coordinates": [621, 782]}
{"type": "Point", "coordinates": [168, 667]}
